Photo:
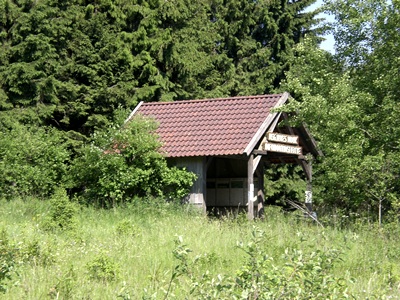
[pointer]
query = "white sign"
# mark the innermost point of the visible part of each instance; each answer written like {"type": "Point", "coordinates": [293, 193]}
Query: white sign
{"type": "Point", "coordinates": [282, 148]}
{"type": "Point", "coordinates": [308, 197]}
{"type": "Point", "coordinates": [282, 138]}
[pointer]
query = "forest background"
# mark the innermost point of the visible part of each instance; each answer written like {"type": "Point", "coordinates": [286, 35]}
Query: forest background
{"type": "Point", "coordinates": [70, 72]}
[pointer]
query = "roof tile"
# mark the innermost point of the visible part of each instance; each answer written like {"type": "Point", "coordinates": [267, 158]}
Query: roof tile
{"type": "Point", "coordinates": [222, 126]}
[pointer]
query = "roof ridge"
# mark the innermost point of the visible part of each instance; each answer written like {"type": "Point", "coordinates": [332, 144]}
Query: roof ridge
{"type": "Point", "coordinates": [213, 99]}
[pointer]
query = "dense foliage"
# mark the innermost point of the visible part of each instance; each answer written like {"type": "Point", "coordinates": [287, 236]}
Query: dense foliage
{"type": "Point", "coordinates": [351, 102]}
{"type": "Point", "coordinates": [33, 160]}
{"type": "Point", "coordinates": [70, 64]}
{"type": "Point", "coordinates": [36, 160]}
{"type": "Point", "coordinates": [124, 163]}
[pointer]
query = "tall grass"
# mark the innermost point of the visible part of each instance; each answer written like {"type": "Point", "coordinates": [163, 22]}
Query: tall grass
{"type": "Point", "coordinates": [127, 252]}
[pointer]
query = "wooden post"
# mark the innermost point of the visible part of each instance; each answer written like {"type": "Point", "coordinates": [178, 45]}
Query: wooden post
{"type": "Point", "coordinates": [250, 188]}
{"type": "Point", "coordinates": [205, 166]}
{"type": "Point", "coordinates": [308, 195]}
{"type": "Point", "coordinates": [260, 194]}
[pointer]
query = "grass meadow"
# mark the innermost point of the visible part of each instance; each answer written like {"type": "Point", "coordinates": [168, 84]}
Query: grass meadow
{"type": "Point", "coordinates": [164, 251]}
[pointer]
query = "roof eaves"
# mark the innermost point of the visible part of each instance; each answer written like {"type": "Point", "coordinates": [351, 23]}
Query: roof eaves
{"type": "Point", "coordinates": [266, 124]}
{"type": "Point", "coordinates": [306, 136]}
{"type": "Point", "coordinates": [134, 111]}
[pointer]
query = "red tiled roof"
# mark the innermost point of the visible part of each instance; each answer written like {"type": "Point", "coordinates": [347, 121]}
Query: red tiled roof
{"type": "Point", "coordinates": [224, 126]}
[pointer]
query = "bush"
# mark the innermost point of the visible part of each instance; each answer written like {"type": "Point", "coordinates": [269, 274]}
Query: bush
{"type": "Point", "coordinates": [62, 212]}
{"type": "Point", "coordinates": [126, 228]}
{"type": "Point", "coordinates": [7, 260]}
{"type": "Point", "coordinates": [65, 286]}
{"type": "Point", "coordinates": [103, 268]}
{"type": "Point", "coordinates": [303, 276]}
{"type": "Point", "coordinates": [33, 160]}
{"type": "Point", "coordinates": [123, 163]}
{"type": "Point", "coordinates": [32, 251]}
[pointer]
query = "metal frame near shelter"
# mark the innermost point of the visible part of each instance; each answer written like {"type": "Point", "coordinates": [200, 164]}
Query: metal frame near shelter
{"type": "Point", "coordinates": [227, 143]}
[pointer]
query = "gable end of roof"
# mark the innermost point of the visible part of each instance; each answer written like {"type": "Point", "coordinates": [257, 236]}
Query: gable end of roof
{"type": "Point", "coordinates": [269, 120]}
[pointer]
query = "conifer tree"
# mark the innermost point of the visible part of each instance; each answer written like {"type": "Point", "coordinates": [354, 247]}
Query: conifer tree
{"type": "Point", "coordinates": [258, 36]}
{"type": "Point", "coordinates": [72, 63]}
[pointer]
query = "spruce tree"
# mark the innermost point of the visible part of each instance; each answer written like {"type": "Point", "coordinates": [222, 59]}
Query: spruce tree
{"type": "Point", "coordinates": [71, 64]}
{"type": "Point", "coordinates": [258, 37]}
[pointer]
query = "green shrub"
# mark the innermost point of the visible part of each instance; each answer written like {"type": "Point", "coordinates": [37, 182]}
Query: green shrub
{"type": "Point", "coordinates": [62, 212]}
{"type": "Point", "coordinates": [126, 227]}
{"type": "Point", "coordinates": [124, 163]}
{"type": "Point", "coordinates": [7, 260]}
{"type": "Point", "coordinates": [32, 251]}
{"type": "Point", "coordinates": [103, 268]}
{"type": "Point", "coordinates": [33, 160]}
{"type": "Point", "coordinates": [303, 275]}
{"type": "Point", "coordinates": [65, 286]}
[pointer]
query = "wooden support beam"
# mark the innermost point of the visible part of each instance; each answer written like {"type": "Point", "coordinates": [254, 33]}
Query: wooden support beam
{"type": "Point", "coordinates": [256, 161]}
{"type": "Point", "coordinates": [260, 152]}
{"type": "Point", "coordinates": [206, 163]}
{"type": "Point", "coordinates": [306, 168]}
{"type": "Point", "coordinates": [274, 123]}
{"type": "Point", "coordinates": [307, 136]}
{"type": "Point", "coordinates": [250, 188]}
{"type": "Point", "coordinates": [308, 193]}
{"type": "Point", "coordinates": [260, 193]}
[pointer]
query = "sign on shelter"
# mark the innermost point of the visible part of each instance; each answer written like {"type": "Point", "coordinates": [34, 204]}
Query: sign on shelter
{"type": "Point", "coordinates": [282, 138]}
{"type": "Point", "coordinates": [282, 143]}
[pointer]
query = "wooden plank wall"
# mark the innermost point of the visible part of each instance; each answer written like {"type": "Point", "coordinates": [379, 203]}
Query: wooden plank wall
{"type": "Point", "coordinates": [198, 191]}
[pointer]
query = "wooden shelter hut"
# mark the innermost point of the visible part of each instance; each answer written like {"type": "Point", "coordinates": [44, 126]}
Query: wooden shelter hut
{"type": "Point", "coordinates": [228, 142]}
